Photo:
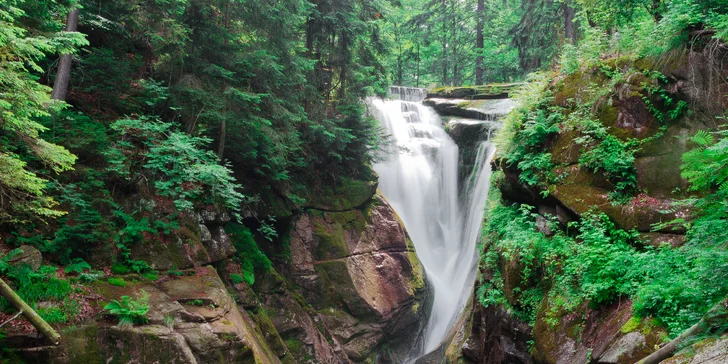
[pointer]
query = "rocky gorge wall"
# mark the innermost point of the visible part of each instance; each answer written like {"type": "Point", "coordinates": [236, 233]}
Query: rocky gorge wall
{"type": "Point", "coordinates": [607, 333]}
{"type": "Point", "coordinates": [345, 287]}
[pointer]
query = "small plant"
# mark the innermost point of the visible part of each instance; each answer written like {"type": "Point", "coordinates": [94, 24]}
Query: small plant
{"type": "Point", "coordinates": [118, 268]}
{"type": "Point", "coordinates": [130, 311]}
{"type": "Point", "coordinates": [77, 266]}
{"type": "Point", "coordinates": [150, 276]}
{"type": "Point", "coordinates": [90, 277]}
{"type": "Point", "coordinates": [169, 321]}
{"type": "Point", "coordinates": [197, 303]}
{"type": "Point", "coordinates": [175, 273]}
{"type": "Point", "coordinates": [119, 282]}
{"type": "Point", "coordinates": [236, 278]}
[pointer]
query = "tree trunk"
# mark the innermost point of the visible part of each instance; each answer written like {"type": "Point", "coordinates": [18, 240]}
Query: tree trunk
{"type": "Point", "coordinates": [569, 28]}
{"type": "Point", "coordinates": [398, 38]}
{"type": "Point", "coordinates": [656, 11]}
{"type": "Point", "coordinates": [718, 313]}
{"type": "Point", "coordinates": [29, 313]}
{"type": "Point", "coordinates": [444, 43]}
{"type": "Point", "coordinates": [479, 43]}
{"type": "Point", "coordinates": [221, 144]}
{"type": "Point", "coordinates": [455, 60]}
{"type": "Point", "coordinates": [63, 76]}
{"type": "Point", "coordinates": [418, 64]}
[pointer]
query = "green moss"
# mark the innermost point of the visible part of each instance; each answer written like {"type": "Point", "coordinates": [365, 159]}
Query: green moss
{"type": "Point", "coordinates": [331, 240]}
{"type": "Point", "coordinates": [347, 195]}
{"type": "Point", "coordinates": [631, 325]}
{"type": "Point", "coordinates": [119, 282]}
{"type": "Point", "coordinates": [118, 268]}
{"type": "Point", "coordinates": [80, 344]}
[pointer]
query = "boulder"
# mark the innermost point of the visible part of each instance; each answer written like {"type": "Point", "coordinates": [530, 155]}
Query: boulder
{"type": "Point", "coordinates": [359, 270]}
{"type": "Point", "coordinates": [29, 256]}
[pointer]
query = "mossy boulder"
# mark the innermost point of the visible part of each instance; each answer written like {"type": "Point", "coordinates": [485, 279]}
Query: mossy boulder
{"type": "Point", "coordinates": [347, 194]}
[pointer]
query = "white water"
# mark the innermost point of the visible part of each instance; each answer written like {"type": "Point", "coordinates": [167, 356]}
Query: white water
{"type": "Point", "coordinates": [419, 179]}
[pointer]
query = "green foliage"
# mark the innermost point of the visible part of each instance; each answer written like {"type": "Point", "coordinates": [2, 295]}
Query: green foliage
{"type": "Point", "coordinates": [179, 164]}
{"type": "Point", "coordinates": [22, 101]}
{"type": "Point", "coordinates": [526, 132]}
{"type": "Point", "coordinates": [77, 266]}
{"type": "Point", "coordinates": [615, 160]}
{"type": "Point", "coordinates": [130, 311]}
{"type": "Point", "coordinates": [237, 279]}
{"type": "Point", "coordinates": [597, 263]}
{"type": "Point", "coordinates": [40, 286]}
{"type": "Point", "coordinates": [118, 268]}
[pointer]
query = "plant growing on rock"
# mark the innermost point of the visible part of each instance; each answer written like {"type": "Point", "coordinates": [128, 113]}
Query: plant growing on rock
{"type": "Point", "coordinates": [130, 311]}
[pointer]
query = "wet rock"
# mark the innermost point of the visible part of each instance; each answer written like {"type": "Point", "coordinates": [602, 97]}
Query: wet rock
{"type": "Point", "coordinates": [29, 256]}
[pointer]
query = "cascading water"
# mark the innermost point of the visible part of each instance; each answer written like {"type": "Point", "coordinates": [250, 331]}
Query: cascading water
{"type": "Point", "coordinates": [443, 217]}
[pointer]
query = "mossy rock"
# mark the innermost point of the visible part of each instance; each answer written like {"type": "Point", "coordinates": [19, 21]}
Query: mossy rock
{"type": "Point", "coordinates": [492, 91]}
{"type": "Point", "coordinates": [348, 194]}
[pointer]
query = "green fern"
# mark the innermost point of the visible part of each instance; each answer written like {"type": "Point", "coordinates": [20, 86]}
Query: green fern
{"type": "Point", "coordinates": [130, 311]}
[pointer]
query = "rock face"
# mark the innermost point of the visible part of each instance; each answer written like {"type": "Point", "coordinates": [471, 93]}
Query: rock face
{"type": "Point", "coordinates": [358, 270]}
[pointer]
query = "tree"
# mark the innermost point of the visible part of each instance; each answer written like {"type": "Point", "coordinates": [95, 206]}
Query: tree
{"type": "Point", "coordinates": [22, 102]}
{"type": "Point", "coordinates": [479, 43]}
{"type": "Point", "coordinates": [63, 76]}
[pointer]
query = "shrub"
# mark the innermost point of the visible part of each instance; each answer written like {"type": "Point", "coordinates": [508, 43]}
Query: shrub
{"type": "Point", "coordinates": [180, 165]}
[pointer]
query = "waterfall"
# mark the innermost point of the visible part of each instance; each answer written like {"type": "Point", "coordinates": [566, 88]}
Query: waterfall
{"type": "Point", "coordinates": [442, 215]}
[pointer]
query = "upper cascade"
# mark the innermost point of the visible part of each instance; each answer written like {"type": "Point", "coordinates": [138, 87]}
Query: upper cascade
{"type": "Point", "coordinates": [411, 94]}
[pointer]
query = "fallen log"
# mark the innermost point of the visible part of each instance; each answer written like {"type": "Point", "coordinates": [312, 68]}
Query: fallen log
{"type": "Point", "coordinates": [43, 327]}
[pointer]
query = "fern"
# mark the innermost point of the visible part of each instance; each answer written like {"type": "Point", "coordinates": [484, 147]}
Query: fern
{"type": "Point", "coordinates": [130, 311]}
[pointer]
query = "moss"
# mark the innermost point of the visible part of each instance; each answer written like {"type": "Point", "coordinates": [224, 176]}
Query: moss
{"type": "Point", "coordinates": [418, 272]}
{"type": "Point", "coordinates": [119, 282]}
{"type": "Point", "coordinates": [81, 346]}
{"type": "Point", "coordinates": [631, 325]}
{"type": "Point", "coordinates": [118, 268]}
{"type": "Point", "coordinates": [347, 195]}
{"type": "Point", "coordinates": [331, 240]}
{"type": "Point", "coordinates": [269, 332]}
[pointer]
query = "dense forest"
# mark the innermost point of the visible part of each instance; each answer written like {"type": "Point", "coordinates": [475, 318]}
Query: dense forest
{"type": "Point", "coordinates": [123, 122]}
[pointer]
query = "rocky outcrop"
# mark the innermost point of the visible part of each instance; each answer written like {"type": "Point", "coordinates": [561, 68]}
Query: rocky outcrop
{"type": "Point", "coordinates": [345, 287]}
{"type": "Point", "coordinates": [192, 319]}
{"type": "Point", "coordinates": [484, 92]}
{"type": "Point", "coordinates": [358, 270]}
{"type": "Point", "coordinates": [471, 109]}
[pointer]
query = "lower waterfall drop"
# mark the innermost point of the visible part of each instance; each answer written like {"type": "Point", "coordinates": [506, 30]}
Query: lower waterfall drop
{"type": "Point", "coordinates": [442, 215]}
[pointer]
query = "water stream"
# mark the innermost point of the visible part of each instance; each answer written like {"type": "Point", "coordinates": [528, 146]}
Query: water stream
{"type": "Point", "coordinates": [442, 215]}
